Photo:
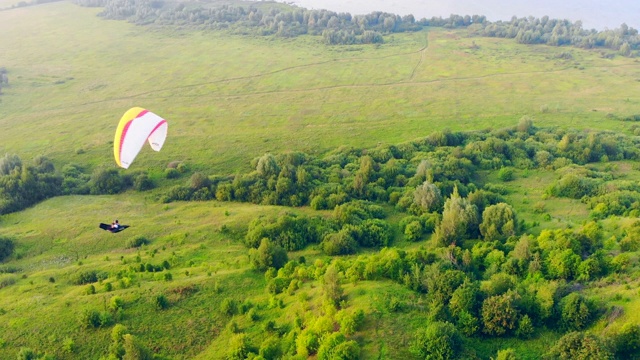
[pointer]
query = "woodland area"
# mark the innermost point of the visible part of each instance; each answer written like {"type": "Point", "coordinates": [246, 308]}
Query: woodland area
{"type": "Point", "coordinates": [343, 28]}
{"type": "Point", "coordinates": [482, 275]}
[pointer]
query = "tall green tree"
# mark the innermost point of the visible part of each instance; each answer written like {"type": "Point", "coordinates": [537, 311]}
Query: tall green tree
{"type": "Point", "coordinates": [459, 220]}
{"type": "Point", "coordinates": [331, 288]}
{"type": "Point", "coordinates": [268, 255]}
{"type": "Point", "coordinates": [498, 222]}
{"type": "Point", "coordinates": [499, 314]}
{"type": "Point", "coordinates": [428, 197]}
{"type": "Point", "coordinates": [267, 166]}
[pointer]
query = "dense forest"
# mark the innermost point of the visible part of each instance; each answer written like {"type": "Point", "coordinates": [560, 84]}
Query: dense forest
{"type": "Point", "coordinates": [483, 274]}
{"type": "Point", "coordinates": [343, 28]}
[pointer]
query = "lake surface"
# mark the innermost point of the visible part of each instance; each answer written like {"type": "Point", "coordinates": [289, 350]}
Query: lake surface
{"type": "Point", "coordinates": [597, 14]}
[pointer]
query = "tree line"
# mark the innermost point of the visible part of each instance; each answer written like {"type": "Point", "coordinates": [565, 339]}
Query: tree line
{"type": "Point", "coordinates": [554, 32]}
{"type": "Point", "coordinates": [433, 167]}
{"type": "Point", "coordinates": [345, 29]}
{"type": "Point", "coordinates": [23, 185]}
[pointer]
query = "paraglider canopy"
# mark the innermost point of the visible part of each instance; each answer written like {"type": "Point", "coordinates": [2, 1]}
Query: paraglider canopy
{"type": "Point", "coordinates": [136, 126]}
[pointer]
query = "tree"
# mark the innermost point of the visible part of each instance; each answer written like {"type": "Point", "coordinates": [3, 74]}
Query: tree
{"type": "Point", "coordinates": [499, 314]}
{"type": "Point", "coordinates": [464, 298]}
{"type": "Point", "coordinates": [348, 350]}
{"type": "Point", "coordinates": [525, 125]}
{"type": "Point", "coordinates": [563, 264]}
{"type": "Point", "coordinates": [371, 233]}
{"type": "Point", "coordinates": [199, 180]}
{"type": "Point", "coordinates": [267, 166]}
{"type": "Point", "coordinates": [8, 163]}
{"type": "Point", "coordinates": [142, 182]}
{"type": "Point", "coordinates": [270, 349]}
{"type": "Point", "coordinates": [117, 341]}
{"type": "Point", "coordinates": [340, 243]}
{"type": "Point", "coordinates": [625, 49]}
{"type": "Point", "coordinates": [459, 220]}
{"type": "Point", "coordinates": [106, 181]}
{"type": "Point", "coordinates": [268, 255]}
{"type": "Point", "coordinates": [506, 174]}
{"type": "Point", "coordinates": [238, 347]}
{"type": "Point", "coordinates": [428, 197]}
{"type": "Point", "coordinates": [331, 288]}
{"type": "Point", "coordinates": [579, 346]}
{"type": "Point", "coordinates": [413, 231]}
{"type": "Point", "coordinates": [525, 327]}
{"type": "Point", "coordinates": [336, 347]}
{"type": "Point", "coordinates": [575, 312]}
{"type": "Point", "coordinates": [439, 340]}
{"type": "Point", "coordinates": [498, 222]}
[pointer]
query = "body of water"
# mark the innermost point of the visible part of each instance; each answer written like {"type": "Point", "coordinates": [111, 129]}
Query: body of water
{"type": "Point", "coordinates": [597, 14]}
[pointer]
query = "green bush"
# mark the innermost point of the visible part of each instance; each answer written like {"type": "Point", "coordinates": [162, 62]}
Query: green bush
{"type": "Point", "coordinates": [85, 277]}
{"type": "Point", "coordinates": [137, 242]}
{"type": "Point", "coordinates": [238, 347]}
{"type": "Point", "coordinates": [171, 173]}
{"type": "Point", "coordinates": [116, 303]}
{"type": "Point", "coordinates": [626, 341]}
{"type": "Point", "coordinates": [576, 312]}
{"type": "Point", "coordinates": [161, 302]}
{"type": "Point", "coordinates": [142, 182]}
{"type": "Point", "coordinates": [68, 345]}
{"type": "Point", "coordinates": [439, 340]}
{"type": "Point", "coordinates": [106, 181]}
{"type": "Point", "coordinates": [229, 306]}
{"type": "Point", "coordinates": [506, 354]}
{"type": "Point", "coordinates": [340, 243]}
{"type": "Point", "coordinates": [336, 347]}
{"type": "Point", "coordinates": [90, 318]}
{"type": "Point", "coordinates": [7, 280]}
{"type": "Point", "coordinates": [276, 285]}
{"type": "Point", "coordinates": [27, 354]}
{"type": "Point", "coordinates": [499, 314]}
{"type": "Point", "coordinates": [506, 174]}
{"type": "Point", "coordinates": [579, 346]}
{"type": "Point", "coordinates": [6, 248]}
{"type": "Point", "coordinates": [268, 255]}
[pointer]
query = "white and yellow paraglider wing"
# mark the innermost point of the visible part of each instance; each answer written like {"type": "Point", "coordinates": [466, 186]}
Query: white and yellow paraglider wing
{"type": "Point", "coordinates": [136, 126]}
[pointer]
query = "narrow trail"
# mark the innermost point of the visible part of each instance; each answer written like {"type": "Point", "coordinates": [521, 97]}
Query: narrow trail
{"type": "Point", "coordinates": [423, 55]}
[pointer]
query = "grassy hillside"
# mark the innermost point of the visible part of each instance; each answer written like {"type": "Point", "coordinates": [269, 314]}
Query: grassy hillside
{"type": "Point", "coordinates": [230, 99]}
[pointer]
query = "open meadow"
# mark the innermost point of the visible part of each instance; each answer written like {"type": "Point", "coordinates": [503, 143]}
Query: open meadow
{"type": "Point", "coordinates": [239, 97]}
{"type": "Point", "coordinates": [182, 280]}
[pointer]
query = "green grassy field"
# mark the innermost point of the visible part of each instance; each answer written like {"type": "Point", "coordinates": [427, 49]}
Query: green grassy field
{"type": "Point", "coordinates": [228, 100]}
{"type": "Point", "coordinates": [239, 97]}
